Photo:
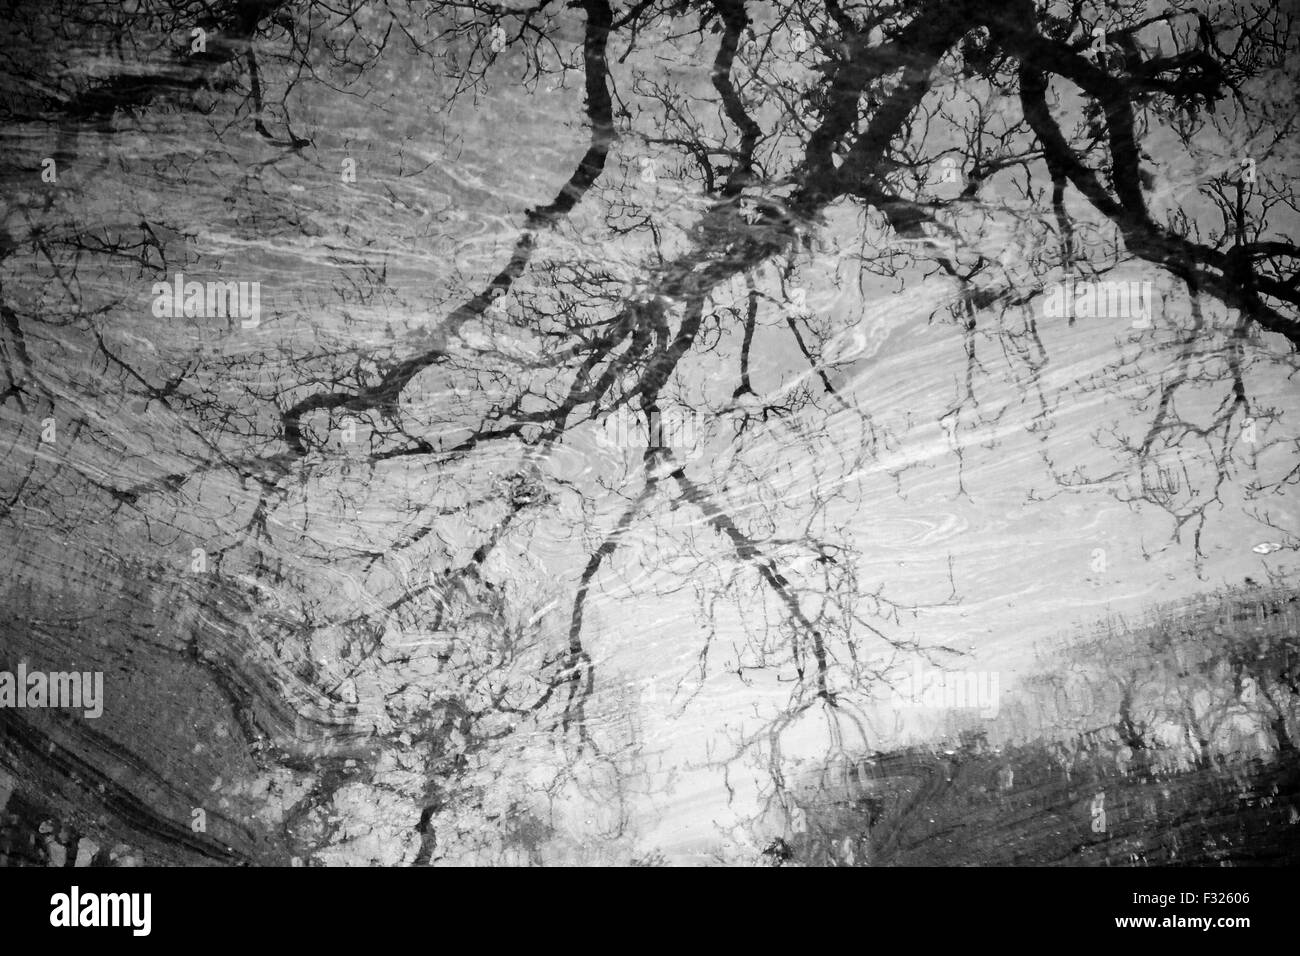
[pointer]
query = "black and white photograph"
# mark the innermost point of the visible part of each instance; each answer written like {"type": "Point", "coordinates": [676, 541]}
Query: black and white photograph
{"type": "Point", "coordinates": [650, 433]}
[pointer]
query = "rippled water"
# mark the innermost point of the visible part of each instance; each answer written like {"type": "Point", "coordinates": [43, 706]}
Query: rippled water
{"type": "Point", "coordinates": [427, 630]}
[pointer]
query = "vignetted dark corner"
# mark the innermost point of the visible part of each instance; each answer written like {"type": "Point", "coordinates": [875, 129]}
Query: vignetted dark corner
{"type": "Point", "coordinates": [640, 432]}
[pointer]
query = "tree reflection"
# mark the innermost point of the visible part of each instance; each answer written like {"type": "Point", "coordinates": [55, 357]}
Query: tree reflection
{"type": "Point", "coordinates": [403, 461]}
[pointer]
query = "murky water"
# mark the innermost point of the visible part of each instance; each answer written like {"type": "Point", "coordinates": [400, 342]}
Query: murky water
{"type": "Point", "coordinates": [383, 569]}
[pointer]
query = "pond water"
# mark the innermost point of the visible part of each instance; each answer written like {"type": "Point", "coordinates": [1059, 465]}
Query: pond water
{"type": "Point", "coordinates": [478, 434]}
